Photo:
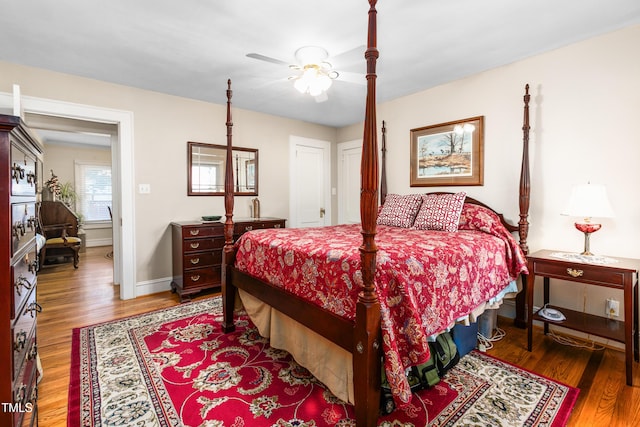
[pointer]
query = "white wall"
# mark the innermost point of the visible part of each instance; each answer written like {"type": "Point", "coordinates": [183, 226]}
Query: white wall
{"type": "Point", "coordinates": [162, 126]}
{"type": "Point", "coordinates": [584, 108]}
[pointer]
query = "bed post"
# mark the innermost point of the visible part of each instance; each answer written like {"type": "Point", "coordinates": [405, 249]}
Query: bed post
{"type": "Point", "coordinates": [383, 165]}
{"type": "Point", "coordinates": [367, 352]}
{"type": "Point", "coordinates": [523, 225]}
{"type": "Point", "coordinates": [228, 290]}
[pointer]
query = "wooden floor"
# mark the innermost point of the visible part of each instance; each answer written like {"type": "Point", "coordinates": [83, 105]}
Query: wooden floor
{"type": "Point", "coordinates": [74, 298]}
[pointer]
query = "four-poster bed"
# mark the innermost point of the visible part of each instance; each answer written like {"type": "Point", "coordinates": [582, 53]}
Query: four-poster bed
{"type": "Point", "coordinates": [358, 324]}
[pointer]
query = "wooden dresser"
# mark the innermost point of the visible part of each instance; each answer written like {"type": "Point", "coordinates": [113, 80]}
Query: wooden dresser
{"type": "Point", "coordinates": [197, 252]}
{"type": "Point", "coordinates": [21, 155]}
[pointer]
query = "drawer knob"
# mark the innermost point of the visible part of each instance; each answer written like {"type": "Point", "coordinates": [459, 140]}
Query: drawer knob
{"type": "Point", "coordinates": [33, 353]}
{"type": "Point", "coordinates": [248, 228]}
{"type": "Point", "coordinates": [276, 226]}
{"type": "Point", "coordinates": [195, 261]}
{"type": "Point", "coordinates": [195, 245]}
{"type": "Point", "coordinates": [21, 340]}
{"type": "Point", "coordinates": [574, 273]}
{"type": "Point", "coordinates": [22, 282]}
{"type": "Point", "coordinates": [21, 394]}
{"type": "Point", "coordinates": [17, 172]}
{"type": "Point", "coordinates": [34, 308]}
{"type": "Point", "coordinates": [195, 278]}
{"type": "Point", "coordinates": [194, 232]}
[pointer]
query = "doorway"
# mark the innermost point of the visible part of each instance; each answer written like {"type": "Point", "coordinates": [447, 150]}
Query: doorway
{"type": "Point", "coordinates": [79, 154]}
{"type": "Point", "coordinates": [310, 182]}
{"type": "Point", "coordinates": [122, 175]}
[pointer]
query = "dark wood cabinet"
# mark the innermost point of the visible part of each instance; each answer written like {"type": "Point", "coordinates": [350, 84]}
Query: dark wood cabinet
{"type": "Point", "coordinates": [197, 252]}
{"type": "Point", "coordinates": [241, 226]}
{"type": "Point", "coordinates": [20, 154]}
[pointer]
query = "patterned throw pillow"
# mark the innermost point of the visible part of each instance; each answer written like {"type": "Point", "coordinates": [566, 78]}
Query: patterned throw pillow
{"type": "Point", "coordinates": [399, 211]}
{"type": "Point", "coordinates": [440, 212]}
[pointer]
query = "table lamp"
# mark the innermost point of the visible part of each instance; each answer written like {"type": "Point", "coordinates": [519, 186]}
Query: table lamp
{"type": "Point", "coordinates": [588, 201]}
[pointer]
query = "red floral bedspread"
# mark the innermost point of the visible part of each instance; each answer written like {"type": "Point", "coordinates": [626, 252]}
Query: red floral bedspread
{"type": "Point", "coordinates": [425, 279]}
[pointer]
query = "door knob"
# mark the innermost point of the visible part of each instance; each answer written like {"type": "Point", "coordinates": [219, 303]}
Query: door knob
{"type": "Point", "coordinates": [322, 212]}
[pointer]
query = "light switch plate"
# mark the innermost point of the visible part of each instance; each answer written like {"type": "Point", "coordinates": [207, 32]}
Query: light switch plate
{"type": "Point", "coordinates": [144, 188]}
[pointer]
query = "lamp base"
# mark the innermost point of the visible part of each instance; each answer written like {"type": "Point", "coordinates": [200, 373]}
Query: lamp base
{"type": "Point", "coordinates": [587, 228]}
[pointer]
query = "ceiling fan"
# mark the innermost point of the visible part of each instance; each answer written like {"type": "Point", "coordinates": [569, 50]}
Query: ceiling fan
{"type": "Point", "coordinates": [314, 73]}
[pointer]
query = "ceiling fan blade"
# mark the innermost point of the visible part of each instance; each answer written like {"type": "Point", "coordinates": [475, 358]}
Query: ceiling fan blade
{"type": "Point", "coordinates": [348, 57]}
{"type": "Point", "coordinates": [267, 59]}
{"type": "Point", "coordinates": [348, 77]}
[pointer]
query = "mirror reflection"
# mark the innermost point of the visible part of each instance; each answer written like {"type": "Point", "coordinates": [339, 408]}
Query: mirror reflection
{"type": "Point", "coordinates": [207, 164]}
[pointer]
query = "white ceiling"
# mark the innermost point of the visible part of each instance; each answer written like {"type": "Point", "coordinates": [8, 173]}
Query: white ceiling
{"type": "Point", "coordinates": [190, 48]}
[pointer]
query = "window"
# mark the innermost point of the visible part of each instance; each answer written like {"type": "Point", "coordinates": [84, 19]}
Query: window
{"type": "Point", "coordinates": [205, 178]}
{"type": "Point", "coordinates": [93, 185]}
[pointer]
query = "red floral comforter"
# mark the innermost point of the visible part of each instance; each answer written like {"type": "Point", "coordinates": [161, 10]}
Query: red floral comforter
{"type": "Point", "coordinates": [425, 279]}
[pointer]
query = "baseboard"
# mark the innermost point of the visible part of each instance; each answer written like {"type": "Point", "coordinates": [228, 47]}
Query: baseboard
{"type": "Point", "coordinates": [99, 242]}
{"type": "Point", "coordinates": [149, 287]}
{"type": "Point", "coordinates": [508, 309]}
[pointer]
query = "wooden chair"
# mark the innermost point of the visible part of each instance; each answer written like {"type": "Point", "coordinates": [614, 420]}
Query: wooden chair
{"type": "Point", "coordinates": [59, 225]}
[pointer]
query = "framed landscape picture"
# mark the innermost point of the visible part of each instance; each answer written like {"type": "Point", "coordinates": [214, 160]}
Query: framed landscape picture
{"type": "Point", "coordinates": [448, 153]}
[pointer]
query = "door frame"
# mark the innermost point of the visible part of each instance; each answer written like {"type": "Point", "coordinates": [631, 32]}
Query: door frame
{"type": "Point", "coordinates": [294, 142]}
{"type": "Point", "coordinates": [124, 247]}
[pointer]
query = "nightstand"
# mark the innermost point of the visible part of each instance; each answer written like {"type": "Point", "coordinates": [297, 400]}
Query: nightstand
{"type": "Point", "coordinates": [617, 273]}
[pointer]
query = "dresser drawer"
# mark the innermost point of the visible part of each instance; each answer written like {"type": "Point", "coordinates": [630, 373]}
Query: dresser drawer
{"type": "Point", "coordinates": [24, 332]}
{"type": "Point", "coordinates": [24, 279]}
{"type": "Point", "coordinates": [202, 277]}
{"type": "Point", "coordinates": [579, 272]}
{"type": "Point", "coordinates": [242, 227]}
{"type": "Point", "coordinates": [198, 245]}
{"type": "Point", "coordinates": [194, 232]}
{"type": "Point", "coordinates": [23, 173]}
{"type": "Point", "coordinates": [202, 259]}
{"type": "Point", "coordinates": [23, 224]}
{"type": "Point", "coordinates": [25, 394]}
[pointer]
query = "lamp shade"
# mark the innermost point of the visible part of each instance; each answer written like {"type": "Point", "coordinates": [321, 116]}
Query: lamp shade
{"type": "Point", "coordinates": [589, 201]}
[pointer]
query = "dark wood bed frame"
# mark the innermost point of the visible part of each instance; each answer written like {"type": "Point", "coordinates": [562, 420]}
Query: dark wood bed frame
{"type": "Point", "coordinates": [362, 338]}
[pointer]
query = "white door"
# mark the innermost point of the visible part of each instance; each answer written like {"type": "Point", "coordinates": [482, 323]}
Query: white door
{"type": "Point", "coordinates": [349, 159]}
{"type": "Point", "coordinates": [310, 204]}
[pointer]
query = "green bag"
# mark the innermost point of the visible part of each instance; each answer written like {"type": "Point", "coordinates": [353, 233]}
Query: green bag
{"type": "Point", "coordinates": [444, 356]}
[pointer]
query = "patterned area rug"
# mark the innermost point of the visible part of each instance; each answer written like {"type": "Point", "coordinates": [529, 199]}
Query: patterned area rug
{"type": "Point", "coordinates": [174, 367]}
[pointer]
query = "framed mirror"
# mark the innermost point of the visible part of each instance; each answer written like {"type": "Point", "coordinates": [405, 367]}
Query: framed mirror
{"type": "Point", "coordinates": [207, 164]}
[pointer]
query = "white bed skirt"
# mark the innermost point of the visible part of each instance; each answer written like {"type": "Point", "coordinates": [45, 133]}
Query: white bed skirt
{"type": "Point", "coordinates": [329, 363]}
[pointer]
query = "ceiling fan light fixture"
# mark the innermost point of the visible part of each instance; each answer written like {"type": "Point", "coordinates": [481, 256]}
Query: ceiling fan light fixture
{"type": "Point", "coordinates": [313, 81]}
{"type": "Point", "coordinates": [319, 85]}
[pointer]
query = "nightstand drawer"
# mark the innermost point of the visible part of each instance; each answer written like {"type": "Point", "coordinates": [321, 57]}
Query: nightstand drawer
{"type": "Point", "coordinates": [579, 272]}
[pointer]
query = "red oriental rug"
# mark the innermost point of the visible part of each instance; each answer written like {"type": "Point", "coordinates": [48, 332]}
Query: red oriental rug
{"type": "Point", "coordinates": [175, 367]}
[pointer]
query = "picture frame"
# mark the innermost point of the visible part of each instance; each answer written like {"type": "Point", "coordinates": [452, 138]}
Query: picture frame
{"type": "Point", "coordinates": [449, 153]}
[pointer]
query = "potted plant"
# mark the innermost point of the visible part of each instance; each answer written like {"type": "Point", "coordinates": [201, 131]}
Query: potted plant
{"type": "Point", "coordinates": [68, 195]}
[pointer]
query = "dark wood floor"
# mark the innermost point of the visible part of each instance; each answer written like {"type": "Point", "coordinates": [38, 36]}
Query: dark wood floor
{"type": "Point", "coordinates": [74, 298]}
